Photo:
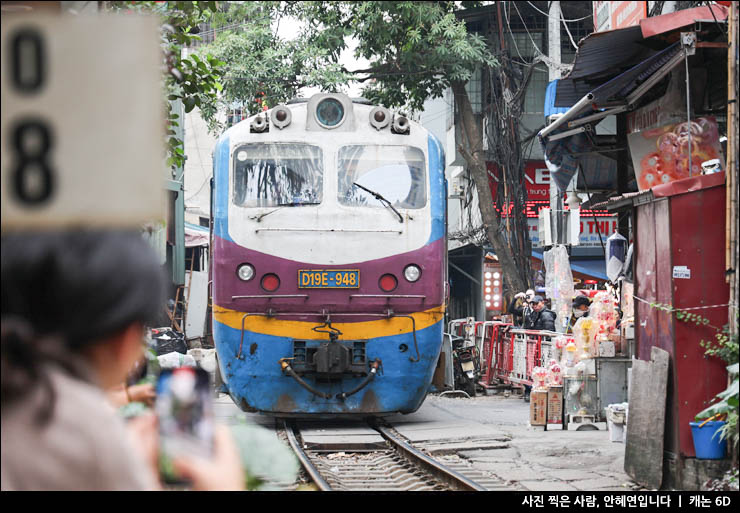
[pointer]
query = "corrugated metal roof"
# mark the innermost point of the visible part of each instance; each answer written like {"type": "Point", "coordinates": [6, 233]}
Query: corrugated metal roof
{"type": "Point", "coordinates": [626, 199]}
{"type": "Point", "coordinates": [620, 86]}
{"type": "Point", "coordinates": [603, 55]}
{"type": "Point", "coordinates": [600, 56]}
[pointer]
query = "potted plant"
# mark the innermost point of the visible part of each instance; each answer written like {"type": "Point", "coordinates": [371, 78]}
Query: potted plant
{"type": "Point", "coordinates": [716, 425]}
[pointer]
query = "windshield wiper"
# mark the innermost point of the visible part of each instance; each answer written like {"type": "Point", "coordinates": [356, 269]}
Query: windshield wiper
{"type": "Point", "coordinates": [380, 198]}
{"type": "Point", "coordinates": [291, 204]}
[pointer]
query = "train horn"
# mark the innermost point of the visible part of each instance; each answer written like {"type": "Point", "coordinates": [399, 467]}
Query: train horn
{"type": "Point", "coordinates": [259, 124]}
{"type": "Point", "coordinates": [400, 124]}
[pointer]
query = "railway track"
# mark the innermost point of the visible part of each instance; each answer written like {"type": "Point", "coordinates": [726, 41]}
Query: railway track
{"type": "Point", "coordinates": [395, 466]}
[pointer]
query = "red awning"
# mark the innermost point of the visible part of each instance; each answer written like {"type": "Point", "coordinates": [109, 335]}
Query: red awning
{"type": "Point", "coordinates": [675, 20]}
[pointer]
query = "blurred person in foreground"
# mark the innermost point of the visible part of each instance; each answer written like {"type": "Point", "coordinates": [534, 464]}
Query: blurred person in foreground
{"type": "Point", "coordinates": [74, 307]}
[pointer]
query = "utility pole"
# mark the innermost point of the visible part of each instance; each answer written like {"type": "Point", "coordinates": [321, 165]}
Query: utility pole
{"type": "Point", "coordinates": [556, 199]}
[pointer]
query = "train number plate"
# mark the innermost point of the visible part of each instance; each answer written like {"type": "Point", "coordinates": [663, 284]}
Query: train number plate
{"type": "Point", "coordinates": [329, 279]}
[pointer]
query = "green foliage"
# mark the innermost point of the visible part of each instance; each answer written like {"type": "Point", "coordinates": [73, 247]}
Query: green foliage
{"type": "Point", "coordinates": [727, 406]}
{"type": "Point", "coordinates": [192, 79]}
{"type": "Point", "coordinates": [261, 69]}
{"type": "Point", "coordinates": [265, 458]}
{"type": "Point", "coordinates": [415, 49]}
{"type": "Point", "coordinates": [724, 346]}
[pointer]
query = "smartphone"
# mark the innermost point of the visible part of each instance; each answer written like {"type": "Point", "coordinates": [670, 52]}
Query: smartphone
{"type": "Point", "coordinates": [184, 409]}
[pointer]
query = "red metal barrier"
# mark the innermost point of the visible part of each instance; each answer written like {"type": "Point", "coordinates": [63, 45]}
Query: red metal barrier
{"type": "Point", "coordinates": [507, 354]}
{"type": "Point", "coordinates": [494, 351]}
{"type": "Point", "coordinates": [517, 352]}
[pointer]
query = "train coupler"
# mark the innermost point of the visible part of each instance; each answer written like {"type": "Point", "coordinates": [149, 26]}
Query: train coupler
{"type": "Point", "coordinates": [374, 365]}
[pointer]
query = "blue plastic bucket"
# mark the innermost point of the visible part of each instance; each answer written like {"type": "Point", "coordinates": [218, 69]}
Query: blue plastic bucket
{"type": "Point", "coordinates": [706, 445]}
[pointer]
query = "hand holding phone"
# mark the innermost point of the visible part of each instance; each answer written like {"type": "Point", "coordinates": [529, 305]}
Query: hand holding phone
{"type": "Point", "coordinates": [185, 412]}
{"type": "Point", "coordinates": [224, 471]}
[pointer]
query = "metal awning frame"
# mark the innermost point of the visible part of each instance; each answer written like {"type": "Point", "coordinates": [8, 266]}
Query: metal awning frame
{"type": "Point", "coordinates": [628, 105]}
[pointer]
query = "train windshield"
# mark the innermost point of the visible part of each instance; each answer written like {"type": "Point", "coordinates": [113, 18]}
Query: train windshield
{"type": "Point", "coordinates": [396, 173]}
{"type": "Point", "coordinates": [272, 175]}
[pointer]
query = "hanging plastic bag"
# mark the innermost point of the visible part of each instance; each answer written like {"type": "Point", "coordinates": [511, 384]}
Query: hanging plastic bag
{"type": "Point", "coordinates": [559, 285]}
{"type": "Point", "coordinates": [616, 252]}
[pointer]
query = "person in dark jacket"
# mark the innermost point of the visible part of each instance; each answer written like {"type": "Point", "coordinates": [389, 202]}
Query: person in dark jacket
{"type": "Point", "coordinates": [541, 318]}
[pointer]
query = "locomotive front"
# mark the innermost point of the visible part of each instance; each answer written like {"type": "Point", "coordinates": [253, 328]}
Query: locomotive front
{"type": "Point", "coordinates": [329, 267]}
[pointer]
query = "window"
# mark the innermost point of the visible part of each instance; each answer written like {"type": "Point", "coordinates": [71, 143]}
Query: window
{"type": "Point", "coordinates": [473, 87]}
{"type": "Point", "coordinates": [271, 175]}
{"type": "Point", "coordinates": [394, 172]}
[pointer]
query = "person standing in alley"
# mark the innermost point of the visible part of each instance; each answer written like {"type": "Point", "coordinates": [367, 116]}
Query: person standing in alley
{"type": "Point", "coordinates": [520, 306]}
{"type": "Point", "coordinates": [580, 309]}
{"type": "Point", "coordinates": [74, 308]}
{"type": "Point", "coordinates": [541, 318]}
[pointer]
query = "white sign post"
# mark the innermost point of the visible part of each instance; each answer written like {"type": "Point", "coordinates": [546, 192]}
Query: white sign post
{"type": "Point", "coordinates": [81, 122]}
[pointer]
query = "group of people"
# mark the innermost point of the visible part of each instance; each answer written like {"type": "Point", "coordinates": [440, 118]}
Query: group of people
{"type": "Point", "coordinates": [75, 306]}
{"type": "Point", "coordinates": [532, 312]}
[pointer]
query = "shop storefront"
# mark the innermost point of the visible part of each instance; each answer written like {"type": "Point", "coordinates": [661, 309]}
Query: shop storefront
{"type": "Point", "coordinates": [665, 81]}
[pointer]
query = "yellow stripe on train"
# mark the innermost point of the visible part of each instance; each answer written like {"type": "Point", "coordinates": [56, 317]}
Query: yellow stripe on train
{"type": "Point", "coordinates": [350, 330]}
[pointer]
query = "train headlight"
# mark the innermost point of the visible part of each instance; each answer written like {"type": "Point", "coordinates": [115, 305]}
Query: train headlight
{"type": "Point", "coordinates": [330, 113]}
{"type": "Point", "coordinates": [412, 273]}
{"type": "Point", "coordinates": [281, 116]}
{"type": "Point", "coordinates": [380, 118]}
{"type": "Point", "coordinates": [245, 272]}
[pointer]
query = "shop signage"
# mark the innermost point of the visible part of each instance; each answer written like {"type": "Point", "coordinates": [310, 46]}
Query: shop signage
{"type": "Point", "coordinates": [537, 179]}
{"type": "Point", "coordinates": [591, 227]}
{"type": "Point", "coordinates": [536, 176]}
{"type": "Point", "coordinates": [661, 155]}
{"type": "Point", "coordinates": [682, 272]}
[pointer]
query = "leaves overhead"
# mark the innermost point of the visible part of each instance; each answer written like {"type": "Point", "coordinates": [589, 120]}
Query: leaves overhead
{"type": "Point", "coordinates": [415, 49]}
{"type": "Point", "coordinates": [261, 68]}
{"type": "Point", "coordinates": [191, 79]}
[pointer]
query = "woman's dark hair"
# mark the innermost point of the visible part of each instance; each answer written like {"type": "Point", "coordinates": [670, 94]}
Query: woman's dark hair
{"type": "Point", "coordinates": [64, 291]}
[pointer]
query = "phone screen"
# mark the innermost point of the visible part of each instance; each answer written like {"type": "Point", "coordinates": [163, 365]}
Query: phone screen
{"type": "Point", "coordinates": [185, 411]}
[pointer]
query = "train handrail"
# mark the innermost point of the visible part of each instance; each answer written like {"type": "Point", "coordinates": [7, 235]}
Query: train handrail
{"type": "Point", "coordinates": [271, 296]}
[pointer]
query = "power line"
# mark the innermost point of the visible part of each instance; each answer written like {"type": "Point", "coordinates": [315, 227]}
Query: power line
{"type": "Point", "coordinates": [544, 58]}
{"type": "Point", "coordinates": [568, 31]}
{"type": "Point", "coordinates": [569, 21]}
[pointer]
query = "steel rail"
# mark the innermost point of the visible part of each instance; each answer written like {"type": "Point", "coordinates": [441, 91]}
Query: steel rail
{"type": "Point", "coordinates": [303, 458]}
{"type": "Point", "coordinates": [453, 479]}
{"type": "Point", "coordinates": [397, 450]}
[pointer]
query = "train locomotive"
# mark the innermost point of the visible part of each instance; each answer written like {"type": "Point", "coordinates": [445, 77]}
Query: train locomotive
{"type": "Point", "coordinates": [328, 259]}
